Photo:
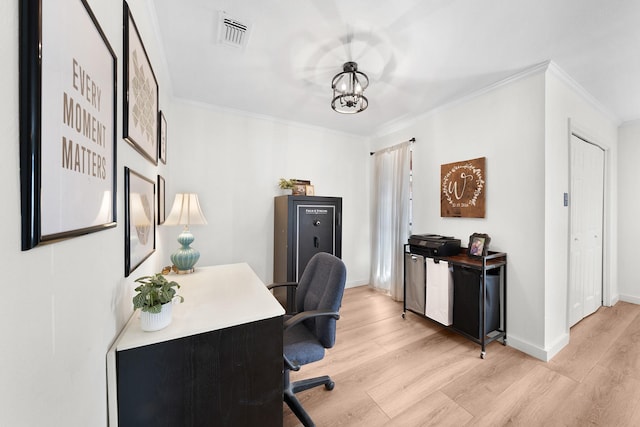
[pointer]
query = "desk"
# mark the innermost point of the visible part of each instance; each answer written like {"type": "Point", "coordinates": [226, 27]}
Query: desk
{"type": "Point", "coordinates": [218, 363]}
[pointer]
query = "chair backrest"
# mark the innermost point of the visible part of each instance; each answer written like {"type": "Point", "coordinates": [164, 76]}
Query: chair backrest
{"type": "Point", "coordinates": [321, 288]}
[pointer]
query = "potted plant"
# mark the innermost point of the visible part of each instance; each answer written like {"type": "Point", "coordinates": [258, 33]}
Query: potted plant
{"type": "Point", "coordinates": [154, 298]}
{"type": "Point", "coordinates": [286, 184]}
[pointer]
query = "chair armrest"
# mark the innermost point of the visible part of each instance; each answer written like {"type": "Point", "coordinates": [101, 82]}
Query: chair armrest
{"type": "Point", "coordinates": [278, 285]}
{"type": "Point", "coordinates": [300, 317]}
{"type": "Point", "coordinates": [290, 364]}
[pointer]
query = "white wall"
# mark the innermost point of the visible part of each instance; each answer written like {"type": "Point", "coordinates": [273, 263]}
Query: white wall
{"type": "Point", "coordinates": [234, 161]}
{"type": "Point", "coordinates": [64, 303]}
{"type": "Point", "coordinates": [522, 128]}
{"type": "Point", "coordinates": [509, 132]}
{"type": "Point", "coordinates": [570, 109]}
{"type": "Point", "coordinates": [629, 225]}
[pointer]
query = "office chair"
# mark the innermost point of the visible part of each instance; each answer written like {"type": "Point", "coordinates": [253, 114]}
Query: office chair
{"type": "Point", "coordinates": [313, 327]}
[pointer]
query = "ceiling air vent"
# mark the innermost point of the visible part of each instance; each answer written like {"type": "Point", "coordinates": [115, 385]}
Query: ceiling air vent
{"type": "Point", "coordinates": [232, 32]}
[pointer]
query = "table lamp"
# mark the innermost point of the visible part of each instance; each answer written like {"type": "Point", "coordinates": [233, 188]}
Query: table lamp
{"type": "Point", "coordinates": [185, 211]}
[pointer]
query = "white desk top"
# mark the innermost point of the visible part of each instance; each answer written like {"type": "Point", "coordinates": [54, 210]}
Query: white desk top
{"type": "Point", "coordinates": [214, 298]}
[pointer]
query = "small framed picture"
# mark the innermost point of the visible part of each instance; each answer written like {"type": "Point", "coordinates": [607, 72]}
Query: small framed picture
{"type": "Point", "coordinates": [162, 132]}
{"type": "Point", "coordinates": [161, 201]}
{"type": "Point", "coordinates": [299, 190]}
{"type": "Point", "coordinates": [309, 190]}
{"type": "Point", "coordinates": [478, 245]}
{"type": "Point", "coordinates": [140, 222]}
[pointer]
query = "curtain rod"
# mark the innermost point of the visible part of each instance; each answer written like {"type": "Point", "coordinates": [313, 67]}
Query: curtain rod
{"type": "Point", "coordinates": [412, 140]}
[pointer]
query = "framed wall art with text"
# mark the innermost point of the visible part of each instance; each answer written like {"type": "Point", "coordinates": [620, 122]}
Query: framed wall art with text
{"type": "Point", "coordinates": [67, 122]}
{"type": "Point", "coordinates": [463, 188]}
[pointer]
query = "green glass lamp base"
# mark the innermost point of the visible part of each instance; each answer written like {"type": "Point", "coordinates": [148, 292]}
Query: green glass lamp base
{"type": "Point", "coordinates": [185, 257]}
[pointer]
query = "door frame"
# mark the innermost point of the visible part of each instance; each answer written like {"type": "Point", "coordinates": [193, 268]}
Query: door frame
{"type": "Point", "coordinates": [580, 132]}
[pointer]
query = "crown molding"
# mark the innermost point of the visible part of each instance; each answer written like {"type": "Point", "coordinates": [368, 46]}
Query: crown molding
{"type": "Point", "coordinates": [265, 117]}
{"type": "Point", "coordinates": [543, 67]}
{"type": "Point", "coordinates": [407, 120]}
{"type": "Point", "coordinates": [582, 92]}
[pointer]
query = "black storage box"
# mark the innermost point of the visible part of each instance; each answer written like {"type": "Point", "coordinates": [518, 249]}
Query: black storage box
{"type": "Point", "coordinates": [467, 301]}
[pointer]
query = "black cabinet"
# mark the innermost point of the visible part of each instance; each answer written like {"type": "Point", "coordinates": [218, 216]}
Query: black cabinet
{"type": "Point", "coordinates": [303, 226]}
{"type": "Point", "coordinates": [227, 377]}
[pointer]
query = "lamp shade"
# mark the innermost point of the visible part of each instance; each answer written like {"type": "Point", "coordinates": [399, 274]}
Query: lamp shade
{"type": "Point", "coordinates": [186, 211]}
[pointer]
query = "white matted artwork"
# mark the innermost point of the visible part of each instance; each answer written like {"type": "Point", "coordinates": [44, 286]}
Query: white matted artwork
{"type": "Point", "coordinates": [140, 120]}
{"type": "Point", "coordinates": [67, 122]}
{"type": "Point", "coordinates": [140, 221]}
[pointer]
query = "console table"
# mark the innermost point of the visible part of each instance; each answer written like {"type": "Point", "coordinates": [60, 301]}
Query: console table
{"type": "Point", "coordinates": [469, 300]}
{"type": "Point", "coordinates": [218, 363]}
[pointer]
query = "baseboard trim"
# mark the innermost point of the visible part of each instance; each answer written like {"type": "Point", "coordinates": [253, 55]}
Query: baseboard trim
{"type": "Point", "coordinates": [560, 343]}
{"type": "Point", "coordinates": [629, 298]}
{"type": "Point", "coordinates": [356, 283]}
{"type": "Point", "coordinates": [526, 347]}
{"type": "Point", "coordinates": [534, 351]}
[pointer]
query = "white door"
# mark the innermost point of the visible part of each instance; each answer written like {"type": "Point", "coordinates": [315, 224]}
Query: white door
{"type": "Point", "coordinates": [586, 207]}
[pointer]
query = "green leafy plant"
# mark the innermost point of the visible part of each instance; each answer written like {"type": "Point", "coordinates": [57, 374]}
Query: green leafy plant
{"type": "Point", "coordinates": [153, 292]}
{"type": "Point", "coordinates": [286, 184]}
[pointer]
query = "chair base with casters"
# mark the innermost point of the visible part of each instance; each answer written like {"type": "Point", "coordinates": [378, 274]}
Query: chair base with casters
{"type": "Point", "coordinates": [311, 330]}
{"type": "Point", "coordinates": [290, 389]}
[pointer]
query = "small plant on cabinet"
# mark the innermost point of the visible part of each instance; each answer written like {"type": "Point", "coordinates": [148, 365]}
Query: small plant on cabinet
{"type": "Point", "coordinates": [286, 184]}
{"type": "Point", "coordinates": [153, 292]}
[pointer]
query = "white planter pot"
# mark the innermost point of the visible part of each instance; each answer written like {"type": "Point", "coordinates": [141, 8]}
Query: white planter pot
{"type": "Point", "coordinates": [155, 321]}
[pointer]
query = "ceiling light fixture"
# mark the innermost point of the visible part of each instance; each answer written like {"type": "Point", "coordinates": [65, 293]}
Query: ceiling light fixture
{"type": "Point", "coordinates": [348, 90]}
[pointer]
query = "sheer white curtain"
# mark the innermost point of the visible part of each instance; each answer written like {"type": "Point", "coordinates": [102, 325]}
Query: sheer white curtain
{"type": "Point", "coordinates": [390, 218]}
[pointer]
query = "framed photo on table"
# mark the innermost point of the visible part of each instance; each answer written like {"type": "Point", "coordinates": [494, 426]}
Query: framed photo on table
{"type": "Point", "coordinates": [478, 245]}
{"type": "Point", "coordinates": [140, 98]}
{"type": "Point", "coordinates": [140, 221]}
{"type": "Point", "coordinates": [67, 122]}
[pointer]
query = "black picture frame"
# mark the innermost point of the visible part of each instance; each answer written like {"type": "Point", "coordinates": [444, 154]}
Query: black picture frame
{"type": "Point", "coordinates": [162, 211]}
{"type": "Point", "coordinates": [478, 245]}
{"type": "Point", "coordinates": [140, 221]}
{"type": "Point", "coordinates": [162, 134]}
{"type": "Point", "coordinates": [68, 169]}
{"type": "Point", "coordinates": [140, 93]}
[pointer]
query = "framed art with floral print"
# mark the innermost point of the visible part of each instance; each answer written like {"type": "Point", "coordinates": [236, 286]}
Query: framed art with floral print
{"type": "Point", "coordinates": [140, 93]}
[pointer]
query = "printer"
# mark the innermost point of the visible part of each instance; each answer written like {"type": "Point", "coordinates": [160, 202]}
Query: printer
{"type": "Point", "coordinates": [434, 245]}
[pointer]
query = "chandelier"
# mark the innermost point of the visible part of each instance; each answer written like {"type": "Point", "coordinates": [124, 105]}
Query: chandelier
{"type": "Point", "coordinates": [348, 90]}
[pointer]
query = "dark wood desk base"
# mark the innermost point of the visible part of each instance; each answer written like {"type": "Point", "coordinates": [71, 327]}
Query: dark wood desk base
{"type": "Point", "coordinates": [226, 377]}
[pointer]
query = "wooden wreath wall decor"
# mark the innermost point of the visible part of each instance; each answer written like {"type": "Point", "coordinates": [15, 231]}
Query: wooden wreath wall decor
{"type": "Point", "coordinates": [462, 186]}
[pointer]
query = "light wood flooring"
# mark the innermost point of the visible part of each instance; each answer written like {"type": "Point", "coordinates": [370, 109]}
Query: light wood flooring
{"type": "Point", "coordinates": [394, 372]}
